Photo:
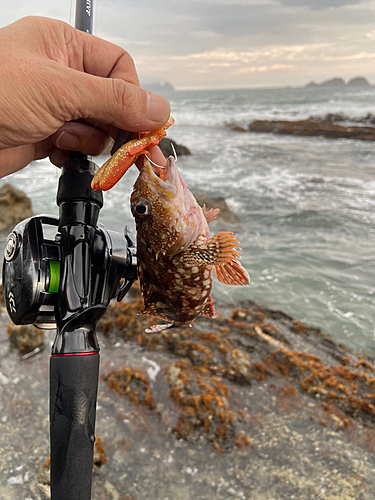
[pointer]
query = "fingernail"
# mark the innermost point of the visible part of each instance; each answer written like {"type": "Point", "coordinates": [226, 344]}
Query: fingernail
{"type": "Point", "coordinates": [158, 109]}
{"type": "Point", "coordinates": [67, 141]}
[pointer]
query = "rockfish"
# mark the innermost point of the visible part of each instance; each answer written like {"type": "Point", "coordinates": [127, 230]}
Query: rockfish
{"type": "Point", "coordinates": [175, 252]}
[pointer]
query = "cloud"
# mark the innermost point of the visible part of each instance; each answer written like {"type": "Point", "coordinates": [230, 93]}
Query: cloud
{"type": "Point", "coordinates": [239, 20]}
{"type": "Point", "coordinates": [320, 4]}
{"type": "Point", "coordinates": [231, 42]}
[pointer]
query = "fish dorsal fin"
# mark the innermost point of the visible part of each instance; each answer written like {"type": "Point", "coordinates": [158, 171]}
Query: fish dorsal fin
{"type": "Point", "coordinates": [211, 214]}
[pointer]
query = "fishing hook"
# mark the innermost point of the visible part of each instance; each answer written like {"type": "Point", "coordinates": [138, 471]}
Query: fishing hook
{"type": "Point", "coordinates": [154, 164]}
{"type": "Point", "coordinates": [174, 153]}
{"type": "Point", "coordinates": [159, 166]}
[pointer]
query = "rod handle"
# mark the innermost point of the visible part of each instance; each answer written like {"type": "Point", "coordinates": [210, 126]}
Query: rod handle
{"type": "Point", "coordinates": [73, 394]}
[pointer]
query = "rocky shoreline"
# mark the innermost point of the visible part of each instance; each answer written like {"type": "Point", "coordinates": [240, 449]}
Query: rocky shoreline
{"type": "Point", "coordinates": [14, 207]}
{"type": "Point", "coordinates": [251, 405]}
{"type": "Point", "coordinates": [314, 127]}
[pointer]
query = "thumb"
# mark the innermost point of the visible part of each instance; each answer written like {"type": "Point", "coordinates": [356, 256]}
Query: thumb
{"type": "Point", "coordinates": [116, 102]}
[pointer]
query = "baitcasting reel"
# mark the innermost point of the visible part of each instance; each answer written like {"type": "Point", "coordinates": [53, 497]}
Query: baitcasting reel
{"type": "Point", "coordinates": [33, 263]}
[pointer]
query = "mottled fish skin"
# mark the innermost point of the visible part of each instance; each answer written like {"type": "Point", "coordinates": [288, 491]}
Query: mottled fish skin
{"type": "Point", "coordinates": [176, 254]}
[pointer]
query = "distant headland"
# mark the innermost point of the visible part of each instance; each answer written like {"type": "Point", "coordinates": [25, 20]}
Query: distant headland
{"type": "Point", "coordinates": [357, 82]}
{"type": "Point", "coordinates": [166, 88]}
{"type": "Point", "coordinates": [159, 87]}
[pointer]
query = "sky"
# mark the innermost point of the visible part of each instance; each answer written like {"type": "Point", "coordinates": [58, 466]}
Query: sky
{"type": "Point", "coordinates": [217, 44]}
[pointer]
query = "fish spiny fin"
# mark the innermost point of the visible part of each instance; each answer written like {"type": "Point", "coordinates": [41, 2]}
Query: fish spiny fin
{"type": "Point", "coordinates": [209, 309]}
{"type": "Point", "coordinates": [211, 214]}
{"type": "Point", "coordinates": [217, 250]}
{"type": "Point", "coordinates": [232, 273]}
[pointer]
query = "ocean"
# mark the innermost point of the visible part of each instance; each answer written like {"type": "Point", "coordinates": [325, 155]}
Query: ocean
{"type": "Point", "coordinates": [306, 204]}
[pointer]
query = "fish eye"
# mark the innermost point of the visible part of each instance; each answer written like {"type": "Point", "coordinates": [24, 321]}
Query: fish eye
{"type": "Point", "coordinates": [141, 208]}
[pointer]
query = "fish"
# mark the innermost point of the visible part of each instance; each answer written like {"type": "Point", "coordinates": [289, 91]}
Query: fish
{"type": "Point", "coordinates": [176, 254]}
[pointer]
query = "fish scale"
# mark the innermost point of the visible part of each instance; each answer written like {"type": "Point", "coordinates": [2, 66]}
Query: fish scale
{"type": "Point", "coordinates": [171, 292]}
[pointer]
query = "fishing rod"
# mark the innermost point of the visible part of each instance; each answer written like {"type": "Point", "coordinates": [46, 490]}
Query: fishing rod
{"type": "Point", "coordinates": [84, 15]}
{"type": "Point", "coordinates": [66, 282]}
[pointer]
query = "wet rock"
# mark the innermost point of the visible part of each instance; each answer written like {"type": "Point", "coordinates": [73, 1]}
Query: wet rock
{"type": "Point", "coordinates": [15, 206]}
{"type": "Point", "coordinates": [316, 180]}
{"type": "Point", "coordinates": [335, 117]}
{"type": "Point", "coordinates": [25, 338]}
{"type": "Point", "coordinates": [238, 366]}
{"type": "Point", "coordinates": [225, 215]}
{"type": "Point", "coordinates": [313, 128]}
{"type": "Point", "coordinates": [235, 128]}
{"type": "Point", "coordinates": [166, 146]}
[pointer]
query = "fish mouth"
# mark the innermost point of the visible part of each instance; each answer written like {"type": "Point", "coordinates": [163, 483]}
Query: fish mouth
{"type": "Point", "coordinates": [161, 178]}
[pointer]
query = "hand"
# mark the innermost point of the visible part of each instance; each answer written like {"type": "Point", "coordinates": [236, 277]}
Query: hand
{"type": "Point", "coordinates": [62, 89]}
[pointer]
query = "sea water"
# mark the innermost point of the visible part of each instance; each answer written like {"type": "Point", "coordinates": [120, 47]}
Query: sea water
{"type": "Point", "coordinates": [306, 204]}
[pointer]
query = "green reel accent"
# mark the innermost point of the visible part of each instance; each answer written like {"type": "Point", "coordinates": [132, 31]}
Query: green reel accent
{"type": "Point", "coordinates": [54, 272]}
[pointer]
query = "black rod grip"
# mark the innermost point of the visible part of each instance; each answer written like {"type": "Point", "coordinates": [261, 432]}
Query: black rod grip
{"type": "Point", "coordinates": [73, 394]}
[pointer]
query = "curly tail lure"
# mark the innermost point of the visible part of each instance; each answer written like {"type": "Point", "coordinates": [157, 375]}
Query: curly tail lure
{"type": "Point", "coordinates": [119, 163]}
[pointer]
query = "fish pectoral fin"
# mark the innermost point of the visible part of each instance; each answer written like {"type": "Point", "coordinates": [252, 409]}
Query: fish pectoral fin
{"type": "Point", "coordinates": [209, 309]}
{"type": "Point", "coordinates": [211, 214]}
{"type": "Point", "coordinates": [232, 273]}
{"type": "Point", "coordinates": [217, 250]}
